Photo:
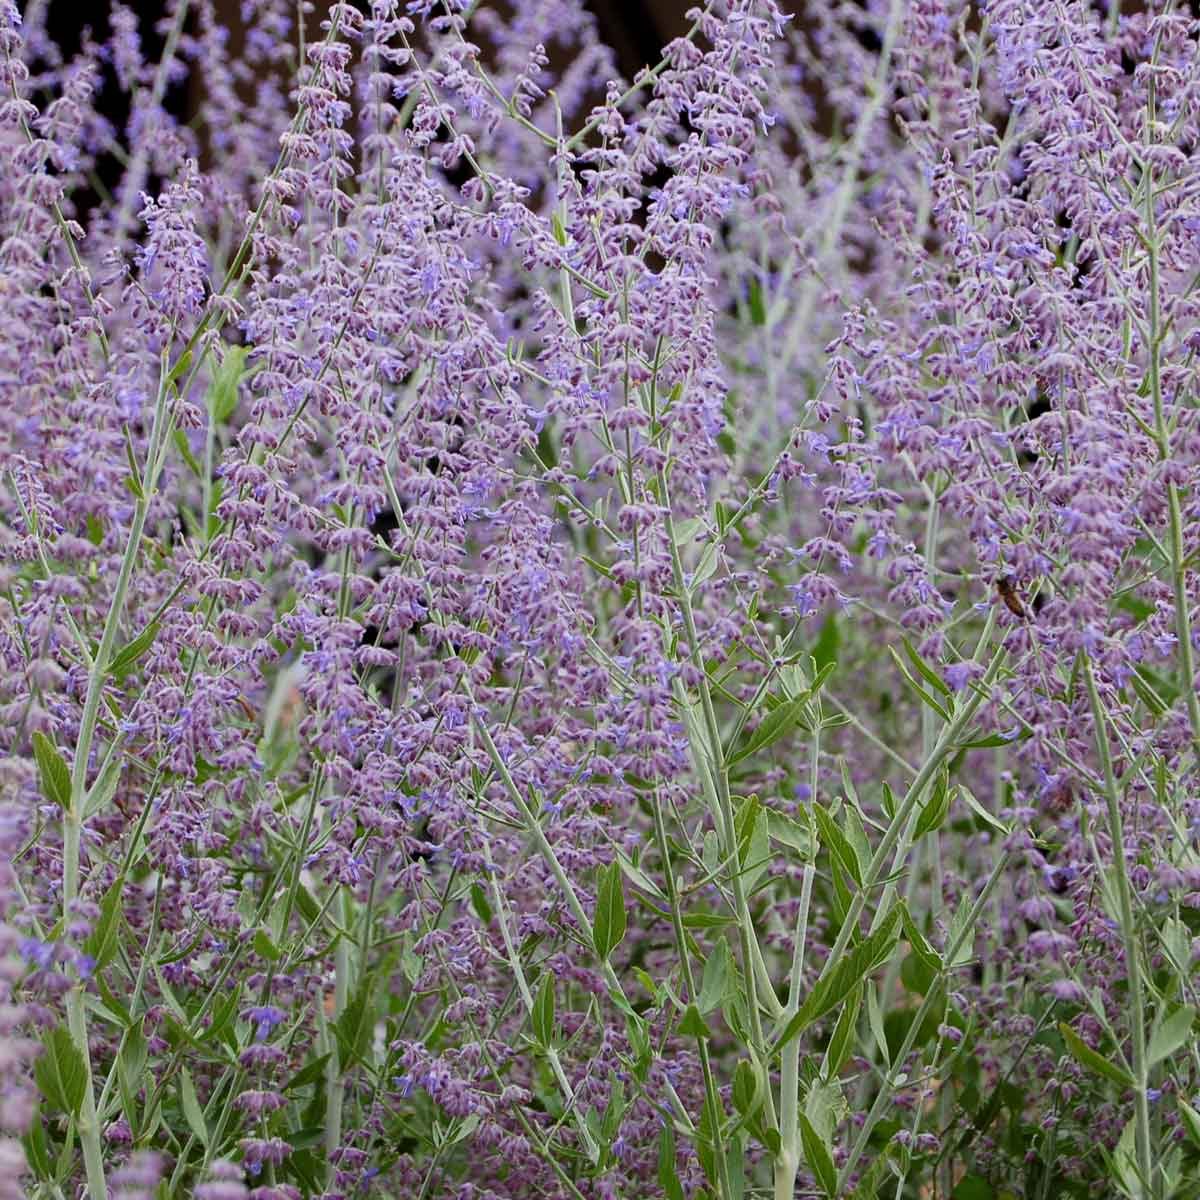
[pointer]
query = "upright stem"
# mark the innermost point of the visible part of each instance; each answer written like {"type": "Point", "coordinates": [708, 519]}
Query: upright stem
{"type": "Point", "coordinates": [1183, 630]}
{"type": "Point", "coordinates": [88, 1125]}
{"type": "Point", "coordinates": [1137, 1007]}
{"type": "Point", "coordinates": [787, 1164]}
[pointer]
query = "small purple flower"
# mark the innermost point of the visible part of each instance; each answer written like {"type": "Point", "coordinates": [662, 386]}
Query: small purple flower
{"type": "Point", "coordinates": [265, 1018]}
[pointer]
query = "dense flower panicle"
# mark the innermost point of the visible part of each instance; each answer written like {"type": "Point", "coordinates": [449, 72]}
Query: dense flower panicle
{"type": "Point", "coordinates": [456, 506]}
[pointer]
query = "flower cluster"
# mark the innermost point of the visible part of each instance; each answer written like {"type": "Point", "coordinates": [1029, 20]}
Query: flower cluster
{"type": "Point", "coordinates": [592, 637]}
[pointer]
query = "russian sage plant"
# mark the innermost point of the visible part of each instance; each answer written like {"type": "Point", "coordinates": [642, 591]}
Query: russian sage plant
{"type": "Point", "coordinates": [597, 638]}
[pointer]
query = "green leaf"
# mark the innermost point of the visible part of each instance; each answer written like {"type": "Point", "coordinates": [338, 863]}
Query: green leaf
{"type": "Point", "coordinates": [192, 1111]}
{"type": "Point", "coordinates": [479, 902]}
{"type": "Point", "coordinates": [707, 920]}
{"type": "Point", "coordinates": [1091, 1060]}
{"type": "Point", "coordinates": [788, 832]}
{"type": "Point", "coordinates": [841, 1044]}
{"type": "Point", "coordinates": [103, 788]}
{"type": "Point", "coordinates": [754, 846]}
{"type": "Point", "coordinates": [875, 1021]}
{"type": "Point", "coordinates": [817, 1156]}
{"type": "Point", "coordinates": [758, 307]}
{"type": "Point", "coordinates": [774, 726]}
{"type": "Point", "coordinates": [639, 878]}
{"type": "Point", "coordinates": [668, 1168]}
{"type": "Point", "coordinates": [828, 644]}
{"type": "Point", "coordinates": [972, 1187]}
{"type": "Point", "coordinates": [52, 770]}
{"type": "Point", "coordinates": [867, 1187]}
{"type": "Point", "coordinates": [60, 1072]}
{"type": "Point", "coordinates": [926, 671]}
{"type": "Point", "coordinates": [982, 813]}
{"type": "Point", "coordinates": [311, 1072]}
{"type": "Point", "coordinates": [185, 450]}
{"type": "Point", "coordinates": [837, 983]}
{"type": "Point", "coordinates": [716, 975]}
{"type": "Point", "coordinates": [101, 943]}
{"type": "Point", "coordinates": [264, 946]}
{"type": "Point", "coordinates": [936, 807]}
{"type": "Point", "coordinates": [223, 395]}
{"type": "Point", "coordinates": [916, 687]}
{"type": "Point", "coordinates": [693, 1024]}
{"type": "Point", "coordinates": [608, 923]}
{"type": "Point", "coordinates": [856, 835]}
{"type": "Point", "coordinates": [990, 741]}
{"type": "Point", "coordinates": [127, 657]}
{"type": "Point", "coordinates": [1191, 1119]}
{"type": "Point", "coordinates": [37, 1155]}
{"type": "Point", "coordinates": [927, 955]}
{"type": "Point", "coordinates": [1173, 1033]}
{"type": "Point", "coordinates": [542, 1014]}
{"type": "Point", "coordinates": [887, 801]}
{"type": "Point", "coordinates": [838, 844]}
{"type": "Point", "coordinates": [353, 1028]}
{"type": "Point", "coordinates": [747, 1092]}
{"type": "Point", "coordinates": [182, 365]}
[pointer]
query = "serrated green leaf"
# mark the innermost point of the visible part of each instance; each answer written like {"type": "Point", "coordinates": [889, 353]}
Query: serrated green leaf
{"type": "Point", "coordinates": [1174, 1032]}
{"type": "Point", "coordinates": [60, 1072]}
{"type": "Point", "coordinates": [101, 943]}
{"type": "Point", "coordinates": [1090, 1059]}
{"type": "Point", "coordinates": [52, 771]}
{"type": "Point", "coordinates": [352, 1029]}
{"type": "Point", "coordinates": [837, 843]}
{"type": "Point", "coordinates": [311, 1072]}
{"type": "Point", "coordinates": [128, 656]}
{"type": "Point", "coordinates": [789, 832]}
{"type": "Point", "coordinates": [838, 981]}
{"type": "Point", "coordinates": [774, 726]}
{"type": "Point", "coordinates": [609, 921]}
{"type": "Point", "coordinates": [747, 1091]}
{"type": "Point", "coordinates": [925, 952]}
